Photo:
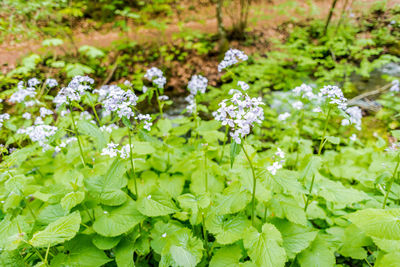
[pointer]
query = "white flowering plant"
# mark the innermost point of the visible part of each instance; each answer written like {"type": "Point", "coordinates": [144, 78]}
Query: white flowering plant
{"type": "Point", "coordinates": [88, 178]}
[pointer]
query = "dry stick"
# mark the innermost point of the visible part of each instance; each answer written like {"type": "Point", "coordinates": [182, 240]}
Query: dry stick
{"type": "Point", "coordinates": [329, 16]}
{"type": "Point", "coordinates": [112, 71]}
{"type": "Point", "coordinates": [370, 93]}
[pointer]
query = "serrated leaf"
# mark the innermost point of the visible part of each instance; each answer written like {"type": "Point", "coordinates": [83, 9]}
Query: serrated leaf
{"type": "Point", "coordinates": [119, 220]}
{"type": "Point", "coordinates": [317, 255]}
{"type": "Point", "coordinates": [233, 199]}
{"type": "Point", "coordinates": [72, 199]}
{"type": "Point", "coordinates": [388, 260]}
{"type": "Point", "coordinates": [265, 248]}
{"type": "Point", "coordinates": [227, 228]}
{"type": "Point", "coordinates": [333, 139]}
{"type": "Point", "coordinates": [124, 254]}
{"type": "Point", "coordinates": [227, 256]}
{"type": "Point", "coordinates": [57, 232]}
{"type": "Point", "coordinates": [156, 204]}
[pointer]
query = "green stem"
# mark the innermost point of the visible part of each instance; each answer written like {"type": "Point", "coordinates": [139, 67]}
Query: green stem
{"type": "Point", "coordinates": [95, 114]}
{"type": "Point", "coordinates": [389, 187]}
{"type": "Point", "coordinates": [132, 165]}
{"type": "Point", "coordinates": [159, 103]}
{"type": "Point", "coordinates": [321, 145]}
{"type": "Point", "coordinates": [205, 236]}
{"type": "Point", "coordinates": [253, 199]}
{"type": "Point", "coordinates": [30, 209]}
{"type": "Point", "coordinates": [205, 170]}
{"type": "Point", "coordinates": [223, 146]}
{"type": "Point", "coordinates": [77, 135]}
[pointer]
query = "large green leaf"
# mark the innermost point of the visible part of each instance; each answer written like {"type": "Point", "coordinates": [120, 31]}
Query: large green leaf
{"type": "Point", "coordinates": [233, 199]}
{"type": "Point", "coordinates": [227, 228]}
{"type": "Point", "coordinates": [156, 204]}
{"type": "Point", "coordinates": [104, 243]}
{"type": "Point", "coordinates": [72, 199]}
{"type": "Point", "coordinates": [107, 188]}
{"type": "Point", "coordinates": [265, 248]}
{"type": "Point", "coordinates": [194, 204]}
{"type": "Point", "coordinates": [296, 238]}
{"type": "Point", "coordinates": [119, 220]}
{"type": "Point", "coordinates": [92, 131]}
{"type": "Point", "coordinates": [124, 254]}
{"type": "Point", "coordinates": [227, 256]}
{"type": "Point", "coordinates": [184, 249]}
{"type": "Point", "coordinates": [10, 230]}
{"type": "Point", "coordinates": [57, 232]}
{"type": "Point", "coordinates": [388, 260]}
{"type": "Point", "coordinates": [318, 254]}
{"type": "Point", "coordinates": [80, 252]}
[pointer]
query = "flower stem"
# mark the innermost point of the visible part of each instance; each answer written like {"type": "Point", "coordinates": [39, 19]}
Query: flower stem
{"type": "Point", "coordinates": [253, 199]}
{"type": "Point", "coordinates": [77, 135]}
{"type": "Point", "coordinates": [159, 103]}
{"type": "Point", "coordinates": [321, 145]}
{"type": "Point", "coordinates": [205, 236]}
{"type": "Point", "coordinates": [391, 181]}
{"type": "Point", "coordinates": [132, 165]}
{"type": "Point", "coordinates": [223, 146]}
{"type": "Point", "coordinates": [205, 171]}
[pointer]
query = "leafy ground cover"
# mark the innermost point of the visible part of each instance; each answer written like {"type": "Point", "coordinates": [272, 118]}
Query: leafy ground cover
{"type": "Point", "coordinates": [269, 162]}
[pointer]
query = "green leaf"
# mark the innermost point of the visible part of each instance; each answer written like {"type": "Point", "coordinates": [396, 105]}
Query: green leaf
{"type": "Point", "coordinates": [92, 131]}
{"type": "Point", "coordinates": [75, 69]}
{"type": "Point", "coordinates": [156, 204]}
{"type": "Point", "coordinates": [52, 42]}
{"type": "Point", "coordinates": [10, 230]}
{"type": "Point", "coordinates": [107, 188]}
{"type": "Point", "coordinates": [91, 52]}
{"type": "Point", "coordinates": [80, 252]}
{"type": "Point", "coordinates": [382, 225]}
{"type": "Point", "coordinates": [396, 134]}
{"type": "Point", "coordinates": [105, 243]}
{"type": "Point", "coordinates": [119, 220]}
{"type": "Point", "coordinates": [185, 250]}
{"type": "Point", "coordinates": [161, 233]}
{"type": "Point", "coordinates": [388, 260]}
{"type": "Point", "coordinates": [233, 199]}
{"type": "Point", "coordinates": [57, 232]}
{"type": "Point", "coordinates": [227, 256]}
{"type": "Point", "coordinates": [317, 255]}
{"type": "Point", "coordinates": [124, 254]}
{"type": "Point", "coordinates": [195, 204]}
{"type": "Point", "coordinates": [265, 248]}
{"type": "Point", "coordinates": [72, 199]}
{"type": "Point", "coordinates": [235, 150]}
{"type": "Point", "coordinates": [354, 241]}
{"type": "Point", "coordinates": [143, 148]}
{"type": "Point", "coordinates": [296, 238]}
{"type": "Point", "coordinates": [164, 125]}
{"type": "Point", "coordinates": [227, 228]}
{"type": "Point", "coordinates": [333, 139]}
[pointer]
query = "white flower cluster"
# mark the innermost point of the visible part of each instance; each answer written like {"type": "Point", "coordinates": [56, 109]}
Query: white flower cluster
{"type": "Point", "coordinates": [297, 105]}
{"type": "Point", "coordinates": [163, 98]}
{"type": "Point", "coordinates": [112, 151]}
{"type": "Point", "coordinates": [105, 90]}
{"type": "Point", "coordinates": [335, 96]}
{"type": "Point", "coordinates": [305, 91]}
{"type": "Point", "coordinates": [355, 117]}
{"type": "Point", "coordinates": [74, 91]}
{"type": "Point", "coordinates": [240, 113]}
{"type": "Point", "coordinates": [65, 143]}
{"type": "Point", "coordinates": [39, 133]}
{"type": "Point", "coordinates": [27, 116]}
{"type": "Point", "coordinates": [146, 119]}
{"type": "Point", "coordinates": [51, 83]}
{"type": "Point", "coordinates": [23, 92]}
{"type": "Point", "coordinates": [395, 86]}
{"type": "Point", "coordinates": [156, 76]}
{"type": "Point", "coordinates": [4, 117]}
{"type": "Point", "coordinates": [232, 56]}
{"type": "Point", "coordinates": [120, 101]}
{"type": "Point", "coordinates": [283, 116]}
{"type": "Point", "coordinates": [277, 164]}
{"type": "Point", "coordinates": [197, 84]}
{"type": "Point", "coordinates": [44, 112]}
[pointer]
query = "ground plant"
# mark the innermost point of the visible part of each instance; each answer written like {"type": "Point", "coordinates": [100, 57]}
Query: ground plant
{"type": "Point", "coordinates": [270, 158]}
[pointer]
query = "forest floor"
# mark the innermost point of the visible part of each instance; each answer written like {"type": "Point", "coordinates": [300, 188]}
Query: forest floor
{"type": "Point", "coordinates": [265, 19]}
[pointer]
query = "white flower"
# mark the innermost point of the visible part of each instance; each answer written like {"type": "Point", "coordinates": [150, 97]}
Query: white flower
{"type": "Point", "coordinates": [74, 91]}
{"type": "Point", "coordinates": [395, 86]}
{"type": "Point", "coordinates": [146, 119]}
{"type": "Point", "coordinates": [191, 107]}
{"type": "Point", "coordinates": [242, 113]}
{"type": "Point", "coordinates": [274, 168]}
{"type": "Point", "coordinates": [4, 117]}
{"type": "Point", "coordinates": [27, 116]}
{"type": "Point", "coordinates": [124, 152]}
{"type": "Point", "coordinates": [305, 91]}
{"type": "Point", "coordinates": [22, 93]}
{"type": "Point", "coordinates": [234, 91]}
{"type": "Point", "coordinates": [38, 121]}
{"type": "Point", "coordinates": [144, 89]}
{"type": "Point", "coordinates": [335, 95]}
{"type": "Point", "coordinates": [197, 84]}
{"type": "Point", "coordinates": [127, 83]}
{"type": "Point", "coordinates": [297, 105]}
{"type": "Point", "coordinates": [111, 150]}
{"type": "Point", "coordinates": [108, 128]}
{"type": "Point", "coordinates": [232, 56]}
{"type": "Point", "coordinates": [39, 133]}
{"type": "Point", "coordinates": [33, 82]}
{"type": "Point", "coordinates": [44, 112]}
{"type": "Point", "coordinates": [280, 153]}
{"type": "Point", "coordinates": [355, 114]}
{"type": "Point", "coordinates": [156, 76]}
{"type": "Point", "coordinates": [163, 98]}
{"type": "Point", "coordinates": [243, 85]}
{"type": "Point", "coordinates": [317, 110]}
{"type": "Point", "coordinates": [120, 101]}
{"type": "Point", "coordinates": [353, 137]}
{"type": "Point", "coordinates": [51, 83]}
{"type": "Point", "coordinates": [164, 235]}
{"type": "Point", "coordinates": [283, 116]}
